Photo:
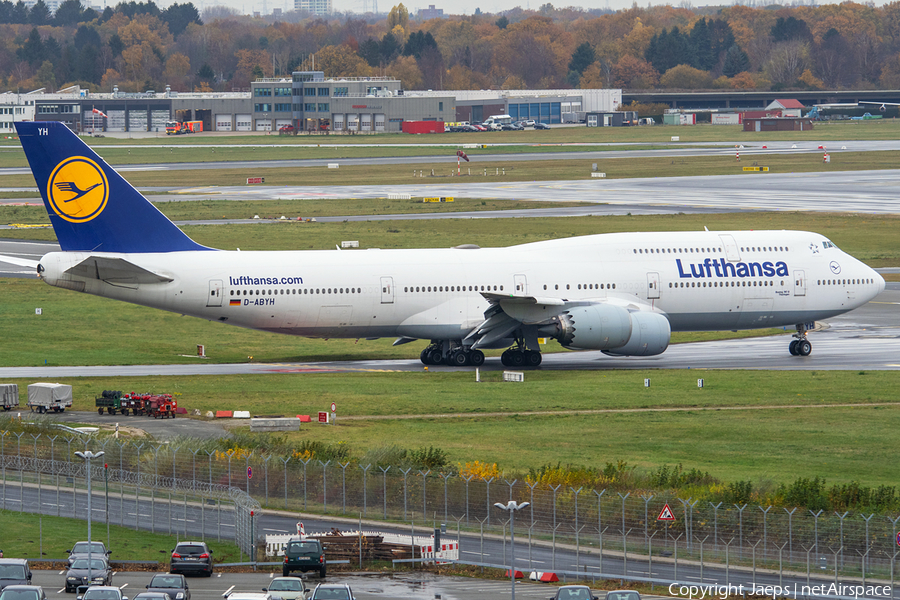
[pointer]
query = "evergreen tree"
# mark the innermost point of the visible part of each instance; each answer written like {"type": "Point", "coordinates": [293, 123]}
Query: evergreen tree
{"type": "Point", "coordinates": [87, 35]}
{"type": "Point", "coordinates": [39, 14]}
{"type": "Point", "coordinates": [582, 58]}
{"type": "Point", "coordinates": [108, 12]}
{"type": "Point", "coordinates": [179, 16]}
{"type": "Point", "coordinates": [790, 29]}
{"type": "Point", "coordinates": [116, 45]}
{"type": "Point", "coordinates": [702, 43]}
{"type": "Point", "coordinates": [669, 49]}
{"type": "Point", "coordinates": [370, 51]}
{"type": "Point", "coordinates": [206, 73]}
{"type": "Point", "coordinates": [6, 11]}
{"type": "Point", "coordinates": [736, 61]}
{"type": "Point", "coordinates": [32, 51]}
{"type": "Point", "coordinates": [87, 64]}
{"type": "Point", "coordinates": [68, 13]}
{"type": "Point", "coordinates": [20, 13]}
{"type": "Point", "coordinates": [502, 22]}
{"type": "Point", "coordinates": [389, 48]}
{"type": "Point", "coordinates": [721, 37]}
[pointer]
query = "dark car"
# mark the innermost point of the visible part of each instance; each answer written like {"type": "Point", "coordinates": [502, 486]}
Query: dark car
{"type": "Point", "coordinates": [23, 592]}
{"type": "Point", "coordinates": [332, 591]}
{"type": "Point", "coordinates": [100, 592]}
{"type": "Point", "coordinates": [83, 549]}
{"type": "Point", "coordinates": [174, 585]}
{"type": "Point", "coordinates": [574, 592]}
{"type": "Point", "coordinates": [303, 555]}
{"type": "Point", "coordinates": [152, 596]}
{"type": "Point", "coordinates": [14, 571]}
{"type": "Point", "coordinates": [83, 571]}
{"type": "Point", "coordinates": [541, 126]}
{"type": "Point", "coordinates": [623, 595]}
{"type": "Point", "coordinates": [192, 557]}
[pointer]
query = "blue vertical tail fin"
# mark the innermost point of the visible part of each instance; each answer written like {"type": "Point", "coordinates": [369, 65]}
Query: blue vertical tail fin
{"type": "Point", "coordinates": [91, 207]}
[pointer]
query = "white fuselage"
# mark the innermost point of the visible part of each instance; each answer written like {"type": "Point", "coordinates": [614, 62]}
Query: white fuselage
{"type": "Point", "coordinates": [698, 280]}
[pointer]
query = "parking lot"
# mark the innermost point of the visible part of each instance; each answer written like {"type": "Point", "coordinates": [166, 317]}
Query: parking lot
{"type": "Point", "coordinates": [365, 586]}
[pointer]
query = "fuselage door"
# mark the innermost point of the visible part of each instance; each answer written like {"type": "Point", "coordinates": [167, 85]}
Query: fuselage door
{"type": "Point", "coordinates": [387, 290]}
{"type": "Point", "coordinates": [215, 293]}
{"type": "Point", "coordinates": [799, 283]}
{"type": "Point", "coordinates": [520, 287]}
{"type": "Point", "coordinates": [652, 286]}
{"type": "Point", "coordinates": [731, 249]}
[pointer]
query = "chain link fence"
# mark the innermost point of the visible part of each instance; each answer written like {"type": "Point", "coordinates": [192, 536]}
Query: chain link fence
{"type": "Point", "coordinates": [846, 544]}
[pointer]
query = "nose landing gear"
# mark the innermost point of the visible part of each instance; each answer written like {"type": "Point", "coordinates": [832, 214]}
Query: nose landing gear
{"type": "Point", "coordinates": [801, 346]}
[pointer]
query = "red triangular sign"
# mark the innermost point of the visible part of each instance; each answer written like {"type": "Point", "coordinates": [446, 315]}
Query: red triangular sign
{"type": "Point", "coordinates": [666, 514]}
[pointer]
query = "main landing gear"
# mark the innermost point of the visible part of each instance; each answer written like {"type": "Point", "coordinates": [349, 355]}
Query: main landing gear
{"type": "Point", "coordinates": [520, 357]}
{"type": "Point", "coordinates": [457, 357]}
{"type": "Point", "coordinates": [801, 345]}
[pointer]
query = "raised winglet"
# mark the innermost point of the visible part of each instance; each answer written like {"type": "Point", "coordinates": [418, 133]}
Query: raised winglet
{"type": "Point", "coordinates": [91, 207]}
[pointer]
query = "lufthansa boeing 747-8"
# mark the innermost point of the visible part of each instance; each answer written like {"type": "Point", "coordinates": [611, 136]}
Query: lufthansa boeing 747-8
{"type": "Point", "coordinates": [622, 293]}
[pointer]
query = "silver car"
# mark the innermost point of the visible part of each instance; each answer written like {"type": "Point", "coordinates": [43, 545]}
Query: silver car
{"type": "Point", "coordinates": [23, 592]}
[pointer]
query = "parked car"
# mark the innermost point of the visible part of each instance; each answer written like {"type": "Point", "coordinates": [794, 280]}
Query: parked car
{"type": "Point", "coordinates": [23, 592]}
{"type": "Point", "coordinates": [175, 586]}
{"type": "Point", "coordinates": [574, 592]}
{"type": "Point", "coordinates": [623, 595]}
{"type": "Point", "coordinates": [541, 126]}
{"type": "Point", "coordinates": [529, 122]}
{"type": "Point", "coordinates": [332, 591]}
{"type": "Point", "coordinates": [84, 571]}
{"type": "Point", "coordinates": [14, 571]}
{"type": "Point", "coordinates": [100, 592]}
{"type": "Point", "coordinates": [192, 557]}
{"type": "Point", "coordinates": [80, 550]}
{"type": "Point", "coordinates": [249, 596]}
{"type": "Point", "coordinates": [287, 588]}
{"type": "Point", "coordinates": [152, 596]}
{"type": "Point", "coordinates": [303, 555]}
{"type": "Point", "coordinates": [479, 127]}
{"type": "Point", "coordinates": [286, 130]}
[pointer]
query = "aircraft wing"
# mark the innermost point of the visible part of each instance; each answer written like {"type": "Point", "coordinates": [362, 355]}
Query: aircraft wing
{"type": "Point", "coordinates": [22, 262]}
{"type": "Point", "coordinates": [116, 271]}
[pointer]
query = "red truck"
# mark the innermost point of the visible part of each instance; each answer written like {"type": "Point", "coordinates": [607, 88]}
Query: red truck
{"type": "Point", "coordinates": [178, 128]}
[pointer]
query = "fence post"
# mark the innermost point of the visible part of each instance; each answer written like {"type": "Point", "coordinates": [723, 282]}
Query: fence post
{"type": "Point", "coordinates": [3, 460]}
{"type": "Point", "coordinates": [285, 462]}
{"type": "Point", "coordinates": [715, 508]}
{"type": "Point", "coordinates": [650, 560]}
{"type": "Point", "coordinates": [365, 471]}
{"type": "Point", "coordinates": [343, 467]}
{"type": "Point", "coordinates": [305, 462]}
{"type": "Point", "coordinates": [728, 564]}
{"type": "Point", "coordinates": [56, 471]}
{"type": "Point", "coordinates": [687, 522]}
{"type": "Point", "coordinates": [816, 539]}
{"type": "Point", "coordinates": [325, 484]}
{"type": "Point", "coordinates": [780, 563]}
{"type": "Point", "coordinates": [646, 500]}
{"type": "Point", "coordinates": [765, 532]}
{"type": "Point", "coordinates": [575, 492]}
{"type": "Point", "coordinates": [424, 495]}
{"type": "Point", "coordinates": [22, 473]}
{"type": "Point", "coordinates": [446, 476]}
{"type": "Point", "coordinates": [384, 487]}
{"type": "Point", "coordinates": [467, 480]}
{"type": "Point", "coordinates": [488, 492]}
{"type": "Point", "coordinates": [531, 487]}
{"type": "Point", "coordinates": [790, 514]}
{"type": "Point", "coordinates": [405, 474]}
{"type": "Point", "coordinates": [266, 468]}
{"type": "Point", "coordinates": [741, 528]}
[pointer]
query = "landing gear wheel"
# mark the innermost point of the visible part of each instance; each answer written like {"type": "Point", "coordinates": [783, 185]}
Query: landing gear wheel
{"type": "Point", "coordinates": [458, 358]}
{"type": "Point", "coordinates": [516, 358]}
{"type": "Point", "coordinates": [804, 347]}
{"type": "Point", "coordinates": [476, 358]}
{"type": "Point", "coordinates": [793, 347]}
{"type": "Point", "coordinates": [532, 358]}
{"type": "Point", "coordinates": [435, 356]}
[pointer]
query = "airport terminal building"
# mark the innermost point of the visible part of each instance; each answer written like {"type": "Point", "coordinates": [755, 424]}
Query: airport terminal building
{"type": "Point", "coordinates": [307, 101]}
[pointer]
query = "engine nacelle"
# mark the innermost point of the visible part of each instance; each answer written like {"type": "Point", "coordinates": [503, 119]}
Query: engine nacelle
{"type": "Point", "coordinates": [594, 327]}
{"type": "Point", "coordinates": [650, 335]}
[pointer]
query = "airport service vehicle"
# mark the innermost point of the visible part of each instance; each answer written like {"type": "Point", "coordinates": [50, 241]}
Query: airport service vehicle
{"type": "Point", "coordinates": [23, 592]}
{"type": "Point", "coordinates": [175, 586]}
{"type": "Point", "coordinates": [191, 557]}
{"type": "Point", "coordinates": [46, 397]}
{"type": "Point", "coordinates": [576, 592]}
{"type": "Point", "coordinates": [287, 588]}
{"type": "Point", "coordinates": [621, 293]}
{"type": "Point", "coordinates": [14, 571]}
{"type": "Point", "coordinates": [84, 571]}
{"type": "Point", "coordinates": [161, 406]}
{"type": "Point", "coordinates": [9, 395]}
{"type": "Point", "coordinates": [111, 400]}
{"type": "Point", "coordinates": [304, 555]}
{"type": "Point", "coordinates": [495, 122]}
{"type": "Point", "coordinates": [179, 127]}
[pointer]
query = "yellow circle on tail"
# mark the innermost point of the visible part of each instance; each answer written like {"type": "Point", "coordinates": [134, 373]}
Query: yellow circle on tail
{"type": "Point", "coordinates": [78, 189]}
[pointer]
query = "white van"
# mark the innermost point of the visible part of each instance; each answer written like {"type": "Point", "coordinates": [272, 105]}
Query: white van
{"type": "Point", "coordinates": [495, 122]}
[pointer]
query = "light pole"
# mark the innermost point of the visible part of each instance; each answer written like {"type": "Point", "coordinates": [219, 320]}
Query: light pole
{"type": "Point", "coordinates": [512, 507]}
{"type": "Point", "coordinates": [87, 455]}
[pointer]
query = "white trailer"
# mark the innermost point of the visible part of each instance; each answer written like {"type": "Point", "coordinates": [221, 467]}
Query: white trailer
{"type": "Point", "coordinates": [45, 397]}
{"type": "Point", "coordinates": [9, 395]}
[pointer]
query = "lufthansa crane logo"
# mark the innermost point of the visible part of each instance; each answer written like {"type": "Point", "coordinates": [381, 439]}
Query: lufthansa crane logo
{"type": "Point", "coordinates": [78, 189]}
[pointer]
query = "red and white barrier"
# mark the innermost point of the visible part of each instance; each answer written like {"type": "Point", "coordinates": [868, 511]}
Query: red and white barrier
{"type": "Point", "coordinates": [544, 577]}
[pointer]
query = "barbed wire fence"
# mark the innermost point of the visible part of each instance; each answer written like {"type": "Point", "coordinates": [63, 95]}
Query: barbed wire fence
{"type": "Point", "coordinates": [847, 544]}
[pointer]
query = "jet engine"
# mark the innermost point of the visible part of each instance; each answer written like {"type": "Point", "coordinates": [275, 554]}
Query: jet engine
{"type": "Point", "coordinates": [593, 327]}
{"type": "Point", "coordinates": [650, 335]}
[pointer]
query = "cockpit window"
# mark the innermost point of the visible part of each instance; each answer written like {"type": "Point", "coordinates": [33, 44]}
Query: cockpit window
{"type": "Point", "coordinates": [827, 244]}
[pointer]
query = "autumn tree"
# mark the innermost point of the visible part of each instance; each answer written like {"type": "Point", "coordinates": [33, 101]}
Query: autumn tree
{"type": "Point", "coordinates": [686, 77]}
{"type": "Point", "coordinates": [341, 61]}
{"type": "Point", "coordinates": [178, 68]}
{"type": "Point", "coordinates": [635, 73]}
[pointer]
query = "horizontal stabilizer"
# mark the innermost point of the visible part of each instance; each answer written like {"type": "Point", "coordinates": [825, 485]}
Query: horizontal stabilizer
{"type": "Point", "coordinates": [22, 262]}
{"type": "Point", "coordinates": [115, 270]}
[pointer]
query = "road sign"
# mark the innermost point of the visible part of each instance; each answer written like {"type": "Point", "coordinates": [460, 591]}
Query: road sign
{"type": "Point", "coordinates": [666, 514]}
{"type": "Point", "coordinates": [249, 472]}
{"type": "Point", "coordinates": [323, 416]}
{"type": "Point", "coordinates": [333, 407]}
{"type": "Point", "coordinates": [898, 539]}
